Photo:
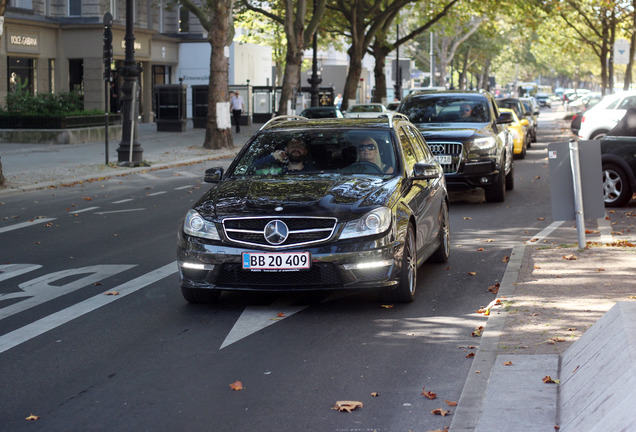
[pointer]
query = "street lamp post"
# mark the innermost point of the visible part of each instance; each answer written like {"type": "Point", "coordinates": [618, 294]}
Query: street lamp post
{"type": "Point", "coordinates": [315, 80]}
{"type": "Point", "coordinates": [130, 72]}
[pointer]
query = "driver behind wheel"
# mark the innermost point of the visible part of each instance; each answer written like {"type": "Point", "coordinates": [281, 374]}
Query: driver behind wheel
{"type": "Point", "coordinates": [368, 152]}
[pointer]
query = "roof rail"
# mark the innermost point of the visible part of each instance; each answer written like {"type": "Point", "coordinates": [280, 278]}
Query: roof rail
{"type": "Point", "coordinates": [395, 114]}
{"type": "Point", "coordinates": [282, 118]}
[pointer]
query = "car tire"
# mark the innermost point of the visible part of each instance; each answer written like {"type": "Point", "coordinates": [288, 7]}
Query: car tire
{"type": "Point", "coordinates": [510, 178]}
{"type": "Point", "coordinates": [598, 135]}
{"type": "Point", "coordinates": [496, 192]}
{"type": "Point", "coordinates": [200, 296]}
{"type": "Point", "coordinates": [617, 190]}
{"type": "Point", "coordinates": [442, 252]}
{"type": "Point", "coordinates": [405, 290]}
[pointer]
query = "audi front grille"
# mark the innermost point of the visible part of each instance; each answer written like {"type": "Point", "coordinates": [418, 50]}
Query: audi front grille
{"type": "Point", "coordinates": [452, 149]}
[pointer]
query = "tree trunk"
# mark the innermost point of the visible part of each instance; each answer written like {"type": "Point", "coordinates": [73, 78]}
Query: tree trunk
{"type": "Point", "coordinates": [218, 134]}
{"type": "Point", "coordinates": [353, 77]}
{"type": "Point", "coordinates": [3, 6]}
{"type": "Point", "coordinates": [380, 51]}
{"type": "Point", "coordinates": [290, 79]}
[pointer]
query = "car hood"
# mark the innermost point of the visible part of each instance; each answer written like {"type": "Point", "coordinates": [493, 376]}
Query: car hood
{"type": "Point", "coordinates": [453, 131]}
{"type": "Point", "coordinates": [324, 194]}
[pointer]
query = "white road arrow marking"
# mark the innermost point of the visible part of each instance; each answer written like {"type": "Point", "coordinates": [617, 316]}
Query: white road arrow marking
{"type": "Point", "coordinates": [255, 318]}
{"type": "Point", "coordinates": [25, 224]}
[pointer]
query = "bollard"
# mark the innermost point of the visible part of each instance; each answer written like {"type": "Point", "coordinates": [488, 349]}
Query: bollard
{"type": "Point", "coordinates": [578, 192]}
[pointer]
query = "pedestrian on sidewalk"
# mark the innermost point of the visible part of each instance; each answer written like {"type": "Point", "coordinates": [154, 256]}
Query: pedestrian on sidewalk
{"type": "Point", "coordinates": [236, 103]}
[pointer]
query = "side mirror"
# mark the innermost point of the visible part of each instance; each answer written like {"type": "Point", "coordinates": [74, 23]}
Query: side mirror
{"type": "Point", "coordinates": [505, 117]}
{"type": "Point", "coordinates": [524, 122]}
{"type": "Point", "coordinates": [213, 175]}
{"type": "Point", "coordinates": [426, 171]}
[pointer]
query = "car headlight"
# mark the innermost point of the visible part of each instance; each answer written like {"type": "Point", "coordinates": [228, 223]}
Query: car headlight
{"type": "Point", "coordinates": [484, 143]}
{"type": "Point", "coordinates": [196, 226]}
{"type": "Point", "coordinates": [374, 222]}
{"type": "Point", "coordinates": [515, 134]}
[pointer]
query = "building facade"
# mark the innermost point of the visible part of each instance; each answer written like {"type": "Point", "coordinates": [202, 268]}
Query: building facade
{"type": "Point", "coordinates": [57, 45]}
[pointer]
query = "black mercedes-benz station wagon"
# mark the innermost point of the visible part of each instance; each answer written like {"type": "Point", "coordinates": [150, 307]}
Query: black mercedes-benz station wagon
{"type": "Point", "coordinates": [318, 205]}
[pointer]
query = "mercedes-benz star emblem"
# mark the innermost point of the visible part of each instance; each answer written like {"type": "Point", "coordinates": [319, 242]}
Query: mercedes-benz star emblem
{"type": "Point", "coordinates": [276, 232]}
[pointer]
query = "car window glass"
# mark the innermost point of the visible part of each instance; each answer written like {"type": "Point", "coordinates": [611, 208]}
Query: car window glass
{"type": "Point", "coordinates": [408, 150]}
{"type": "Point", "coordinates": [421, 149]}
{"type": "Point", "coordinates": [446, 109]}
{"type": "Point", "coordinates": [629, 101]}
{"type": "Point", "coordinates": [326, 151]}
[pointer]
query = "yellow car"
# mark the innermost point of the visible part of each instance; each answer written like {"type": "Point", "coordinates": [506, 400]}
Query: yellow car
{"type": "Point", "coordinates": [519, 131]}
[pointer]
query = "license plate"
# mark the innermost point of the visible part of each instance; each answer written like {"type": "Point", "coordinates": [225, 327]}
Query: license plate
{"type": "Point", "coordinates": [444, 159]}
{"type": "Point", "coordinates": [284, 261]}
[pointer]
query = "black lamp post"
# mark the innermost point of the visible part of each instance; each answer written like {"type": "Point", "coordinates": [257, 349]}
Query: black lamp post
{"type": "Point", "coordinates": [130, 72]}
{"type": "Point", "coordinates": [398, 69]}
{"type": "Point", "coordinates": [315, 80]}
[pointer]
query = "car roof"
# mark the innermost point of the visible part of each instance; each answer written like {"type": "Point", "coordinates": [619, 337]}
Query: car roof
{"type": "Point", "coordinates": [296, 122]}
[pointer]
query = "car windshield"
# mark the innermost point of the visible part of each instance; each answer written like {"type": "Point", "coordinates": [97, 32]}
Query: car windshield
{"type": "Point", "coordinates": [447, 109]}
{"type": "Point", "coordinates": [366, 108]}
{"type": "Point", "coordinates": [318, 151]}
{"type": "Point", "coordinates": [319, 113]}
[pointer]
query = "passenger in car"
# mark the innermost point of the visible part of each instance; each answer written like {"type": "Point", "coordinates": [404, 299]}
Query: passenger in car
{"type": "Point", "coordinates": [368, 151]}
{"type": "Point", "coordinates": [291, 159]}
{"type": "Point", "coordinates": [466, 111]}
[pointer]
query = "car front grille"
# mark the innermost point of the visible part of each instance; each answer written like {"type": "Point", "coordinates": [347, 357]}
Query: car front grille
{"type": "Point", "coordinates": [301, 231]}
{"type": "Point", "coordinates": [320, 275]}
{"type": "Point", "coordinates": [448, 148]}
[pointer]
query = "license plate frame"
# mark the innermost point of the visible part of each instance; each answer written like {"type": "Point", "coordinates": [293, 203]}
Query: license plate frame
{"type": "Point", "coordinates": [444, 159]}
{"type": "Point", "coordinates": [276, 261]}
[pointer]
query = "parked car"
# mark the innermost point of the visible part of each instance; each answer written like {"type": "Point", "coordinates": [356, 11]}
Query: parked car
{"type": "Point", "coordinates": [368, 110]}
{"type": "Point", "coordinates": [392, 106]}
{"type": "Point", "coordinates": [606, 114]}
{"type": "Point", "coordinates": [322, 112]}
{"type": "Point", "coordinates": [368, 206]}
{"type": "Point", "coordinates": [461, 129]}
{"type": "Point", "coordinates": [618, 158]}
{"type": "Point", "coordinates": [543, 99]}
{"type": "Point", "coordinates": [581, 106]}
{"type": "Point", "coordinates": [519, 108]}
{"type": "Point", "coordinates": [519, 131]}
{"type": "Point", "coordinates": [532, 114]}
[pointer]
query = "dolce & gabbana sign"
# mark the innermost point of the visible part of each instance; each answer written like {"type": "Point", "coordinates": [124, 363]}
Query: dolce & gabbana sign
{"type": "Point", "coordinates": [21, 41]}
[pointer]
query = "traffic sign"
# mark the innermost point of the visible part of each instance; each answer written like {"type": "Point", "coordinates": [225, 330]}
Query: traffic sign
{"type": "Point", "coordinates": [621, 51]}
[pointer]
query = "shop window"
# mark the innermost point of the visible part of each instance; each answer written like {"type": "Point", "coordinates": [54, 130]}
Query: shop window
{"type": "Point", "coordinates": [22, 4]}
{"type": "Point", "coordinates": [184, 20]}
{"type": "Point", "coordinates": [74, 7]}
{"type": "Point", "coordinates": [22, 74]}
{"type": "Point", "coordinates": [51, 75]}
{"type": "Point", "coordinates": [76, 75]}
{"type": "Point", "coordinates": [161, 75]}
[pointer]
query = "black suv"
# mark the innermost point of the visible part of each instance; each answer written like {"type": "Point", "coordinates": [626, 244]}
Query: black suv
{"type": "Point", "coordinates": [318, 205]}
{"type": "Point", "coordinates": [462, 130]}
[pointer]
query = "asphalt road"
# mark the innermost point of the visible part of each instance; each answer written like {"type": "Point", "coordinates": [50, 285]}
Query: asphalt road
{"type": "Point", "coordinates": [82, 359]}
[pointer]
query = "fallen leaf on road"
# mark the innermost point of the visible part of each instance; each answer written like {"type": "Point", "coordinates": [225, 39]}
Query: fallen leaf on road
{"type": "Point", "coordinates": [470, 355]}
{"type": "Point", "coordinates": [387, 306]}
{"type": "Point", "coordinates": [494, 289]}
{"type": "Point", "coordinates": [472, 273]}
{"type": "Point", "coordinates": [428, 394]}
{"type": "Point", "coordinates": [236, 385]}
{"type": "Point", "coordinates": [508, 363]}
{"type": "Point", "coordinates": [113, 293]}
{"type": "Point", "coordinates": [280, 315]}
{"type": "Point", "coordinates": [600, 269]}
{"type": "Point", "coordinates": [477, 332]}
{"type": "Point", "coordinates": [87, 199]}
{"type": "Point", "coordinates": [570, 257]}
{"type": "Point", "coordinates": [572, 329]}
{"type": "Point", "coordinates": [505, 259]}
{"type": "Point", "coordinates": [347, 406]}
{"type": "Point", "coordinates": [375, 394]}
{"type": "Point", "coordinates": [549, 380]}
{"type": "Point", "coordinates": [467, 218]}
{"type": "Point", "coordinates": [32, 417]}
{"type": "Point", "coordinates": [480, 250]}
{"type": "Point", "coordinates": [440, 411]}
{"type": "Point", "coordinates": [451, 403]}
{"type": "Point", "coordinates": [541, 218]}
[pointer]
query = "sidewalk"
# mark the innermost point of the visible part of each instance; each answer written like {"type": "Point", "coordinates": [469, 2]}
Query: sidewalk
{"type": "Point", "coordinates": [68, 163]}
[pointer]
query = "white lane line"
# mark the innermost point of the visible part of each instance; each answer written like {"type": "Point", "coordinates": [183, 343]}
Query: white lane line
{"type": "Point", "coordinates": [87, 209]}
{"type": "Point", "coordinates": [157, 193]}
{"type": "Point", "coordinates": [187, 174]}
{"type": "Point", "coordinates": [64, 316]}
{"type": "Point", "coordinates": [25, 224]}
{"type": "Point", "coordinates": [123, 201]}
{"type": "Point", "coordinates": [184, 187]}
{"type": "Point", "coordinates": [120, 211]}
{"type": "Point", "coordinates": [148, 176]}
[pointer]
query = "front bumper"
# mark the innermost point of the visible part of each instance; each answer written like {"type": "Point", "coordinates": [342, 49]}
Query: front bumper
{"type": "Point", "coordinates": [473, 174]}
{"type": "Point", "coordinates": [346, 264]}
